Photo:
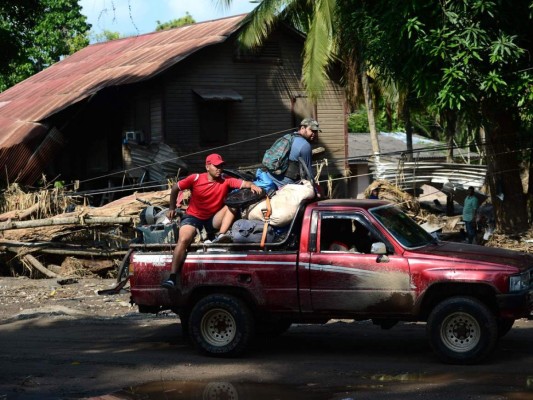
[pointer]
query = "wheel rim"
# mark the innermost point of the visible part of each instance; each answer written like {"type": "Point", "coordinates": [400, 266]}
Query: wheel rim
{"type": "Point", "coordinates": [218, 327]}
{"type": "Point", "coordinates": [460, 332]}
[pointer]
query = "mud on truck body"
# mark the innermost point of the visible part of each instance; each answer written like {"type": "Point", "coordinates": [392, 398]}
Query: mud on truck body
{"type": "Point", "coordinates": [391, 270]}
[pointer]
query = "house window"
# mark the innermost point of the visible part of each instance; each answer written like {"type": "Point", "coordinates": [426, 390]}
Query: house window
{"type": "Point", "coordinates": [138, 121]}
{"type": "Point", "coordinates": [214, 108]}
{"type": "Point", "coordinates": [213, 123]}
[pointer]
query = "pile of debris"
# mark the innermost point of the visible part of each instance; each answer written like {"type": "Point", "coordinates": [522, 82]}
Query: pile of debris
{"type": "Point", "coordinates": [49, 235]}
{"type": "Point", "coordinates": [523, 242]}
{"type": "Point", "coordinates": [81, 240]}
{"type": "Point", "coordinates": [394, 194]}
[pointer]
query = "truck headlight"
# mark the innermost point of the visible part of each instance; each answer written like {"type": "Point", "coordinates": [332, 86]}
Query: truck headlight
{"type": "Point", "coordinates": [520, 282]}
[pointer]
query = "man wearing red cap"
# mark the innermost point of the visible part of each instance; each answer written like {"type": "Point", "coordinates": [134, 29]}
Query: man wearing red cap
{"type": "Point", "coordinates": [206, 209]}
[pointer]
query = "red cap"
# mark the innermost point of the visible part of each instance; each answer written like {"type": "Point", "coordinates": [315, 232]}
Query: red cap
{"type": "Point", "coordinates": [214, 159]}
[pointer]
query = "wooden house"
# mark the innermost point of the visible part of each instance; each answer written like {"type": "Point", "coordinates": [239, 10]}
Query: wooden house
{"type": "Point", "coordinates": [114, 111]}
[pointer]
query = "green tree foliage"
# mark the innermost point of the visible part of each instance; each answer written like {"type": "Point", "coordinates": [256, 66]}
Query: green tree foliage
{"type": "Point", "coordinates": [175, 23]}
{"type": "Point", "coordinates": [106, 36]}
{"type": "Point", "coordinates": [16, 18]}
{"type": "Point", "coordinates": [358, 122]}
{"type": "Point", "coordinates": [315, 18]}
{"type": "Point", "coordinates": [469, 61]}
{"type": "Point", "coordinates": [36, 34]}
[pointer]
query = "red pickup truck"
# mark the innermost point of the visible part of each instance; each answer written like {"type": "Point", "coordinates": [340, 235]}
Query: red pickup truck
{"type": "Point", "coordinates": [388, 269]}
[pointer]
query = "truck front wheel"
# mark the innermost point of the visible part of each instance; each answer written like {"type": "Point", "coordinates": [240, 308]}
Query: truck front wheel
{"type": "Point", "coordinates": [462, 330]}
{"type": "Point", "coordinates": [221, 325]}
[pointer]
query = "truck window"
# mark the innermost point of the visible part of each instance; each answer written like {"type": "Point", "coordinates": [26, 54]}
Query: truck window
{"type": "Point", "coordinates": [402, 227]}
{"type": "Point", "coordinates": [345, 233]}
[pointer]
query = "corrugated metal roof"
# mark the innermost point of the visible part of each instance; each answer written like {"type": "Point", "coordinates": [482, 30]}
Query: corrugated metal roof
{"type": "Point", "coordinates": [417, 173]}
{"type": "Point", "coordinates": [393, 144]}
{"type": "Point", "coordinates": [24, 106]}
{"type": "Point", "coordinates": [391, 166]}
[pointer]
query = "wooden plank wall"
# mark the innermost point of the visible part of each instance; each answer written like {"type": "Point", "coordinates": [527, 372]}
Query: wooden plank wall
{"type": "Point", "coordinates": [262, 116]}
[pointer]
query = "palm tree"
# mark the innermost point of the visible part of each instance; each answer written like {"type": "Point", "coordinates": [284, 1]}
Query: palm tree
{"type": "Point", "coordinates": [317, 19]}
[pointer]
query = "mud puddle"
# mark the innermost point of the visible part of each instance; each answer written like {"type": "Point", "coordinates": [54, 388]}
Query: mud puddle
{"type": "Point", "coordinates": [376, 386]}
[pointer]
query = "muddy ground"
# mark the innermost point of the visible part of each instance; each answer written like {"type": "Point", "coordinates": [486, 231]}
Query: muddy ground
{"type": "Point", "coordinates": [22, 297]}
{"type": "Point", "coordinates": [67, 342]}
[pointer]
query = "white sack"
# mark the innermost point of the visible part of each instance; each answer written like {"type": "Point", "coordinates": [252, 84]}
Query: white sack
{"type": "Point", "coordinates": [284, 204]}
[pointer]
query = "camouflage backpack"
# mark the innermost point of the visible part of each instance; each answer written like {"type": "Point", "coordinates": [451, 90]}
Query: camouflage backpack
{"type": "Point", "coordinates": [276, 158]}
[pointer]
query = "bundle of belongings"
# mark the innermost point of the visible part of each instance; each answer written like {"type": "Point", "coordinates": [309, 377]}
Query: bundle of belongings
{"type": "Point", "coordinates": [270, 217]}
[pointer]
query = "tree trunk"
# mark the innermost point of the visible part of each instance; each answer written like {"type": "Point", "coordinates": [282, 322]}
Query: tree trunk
{"type": "Point", "coordinates": [406, 114]}
{"type": "Point", "coordinates": [370, 113]}
{"type": "Point", "coordinates": [504, 180]}
{"type": "Point", "coordinates": [450, 118]}
{"type": "Point", "coordinates": [530, 189]}
{"type": "Point", "coordinates": [388, 112]}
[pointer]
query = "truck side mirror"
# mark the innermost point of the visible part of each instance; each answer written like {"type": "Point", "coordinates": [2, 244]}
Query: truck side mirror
{"type": "Point", "coordinates": [378, 248]}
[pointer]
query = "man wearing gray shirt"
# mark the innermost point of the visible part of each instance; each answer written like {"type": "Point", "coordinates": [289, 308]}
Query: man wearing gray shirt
{"type": "Point", "coordinates": [300, 148]}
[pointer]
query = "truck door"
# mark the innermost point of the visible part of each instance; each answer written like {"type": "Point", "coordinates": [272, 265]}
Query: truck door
{"type": "Point", "coordinates": [346, 276]}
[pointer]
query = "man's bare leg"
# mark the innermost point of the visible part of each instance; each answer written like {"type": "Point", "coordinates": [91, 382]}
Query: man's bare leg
{"type": "Point", "coordinates": [224, 218]}
{"type": "Point", "coordinates": [185, 237]}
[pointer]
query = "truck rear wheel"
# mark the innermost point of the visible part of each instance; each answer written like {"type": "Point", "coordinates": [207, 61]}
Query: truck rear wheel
{"type": "Point", "coordinates": [462, 330]}
{"type": "Point", "coordinates": [221, 325]}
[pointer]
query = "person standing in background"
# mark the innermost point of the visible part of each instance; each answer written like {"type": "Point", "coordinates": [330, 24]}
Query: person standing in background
{"type": "Point", "coordinates": [469, 214]}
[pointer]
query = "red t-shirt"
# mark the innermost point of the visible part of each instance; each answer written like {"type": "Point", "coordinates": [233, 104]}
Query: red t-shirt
{"type": "Point", "coordinates": [207, 197]}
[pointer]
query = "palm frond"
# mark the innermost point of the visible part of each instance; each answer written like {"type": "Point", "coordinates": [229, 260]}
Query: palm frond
{"type": "Point", "coordinates": [298, 14]}
{"type": "Point", "coordinates": [222, 4]}
{"type": "Point", "coordinates": [258, 23]}
{"type": "Point", "coordinates": [319, 48]}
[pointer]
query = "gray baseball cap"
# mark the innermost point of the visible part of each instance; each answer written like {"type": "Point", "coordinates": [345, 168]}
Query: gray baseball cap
{"type": "Point", "coordinates": [311, 123]}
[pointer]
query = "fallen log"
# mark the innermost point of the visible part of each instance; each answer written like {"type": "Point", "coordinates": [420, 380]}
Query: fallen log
{"type": "Point", "coordinates": [19, 214]}
{"type": "Point", "coordinates": [59, 248]}
{"type": "Point", "coordinates": [87, 252]}
{"type": "Point", "coordinates": [11, 244]}
{"type": "Point", "coordinates": [82, 220]}
{"type": "Point", "coordinates": [33, 262]}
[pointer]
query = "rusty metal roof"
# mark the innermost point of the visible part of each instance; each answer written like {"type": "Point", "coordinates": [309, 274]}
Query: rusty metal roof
{"type": "Point", "coordinates": [24, 106]}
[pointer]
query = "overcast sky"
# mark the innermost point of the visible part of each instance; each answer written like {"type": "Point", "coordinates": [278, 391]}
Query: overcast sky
{"type": "Point", "coordinates": [133, 17]}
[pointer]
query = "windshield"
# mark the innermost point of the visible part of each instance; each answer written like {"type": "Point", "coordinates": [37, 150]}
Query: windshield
{"type": "Point", "coordinates": [402, 227]}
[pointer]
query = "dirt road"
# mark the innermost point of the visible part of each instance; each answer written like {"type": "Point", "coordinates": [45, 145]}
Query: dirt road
{"type": "Point", "coordinates": [65, 341]}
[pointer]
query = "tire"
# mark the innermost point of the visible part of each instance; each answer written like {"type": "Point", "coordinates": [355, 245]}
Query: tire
{"type": "Point", "coordinates": [123, 268]}
{"type": "Point", "coordinates": [462, 330]}
{"type": "Point", "coordinates": [221, 325]}
{"type": "Point", "coordinates": [235, 173]}
{"type": "Point", "coordinates": [243, 198]}
{"type": "Point", "coordinates": [504, 326]}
